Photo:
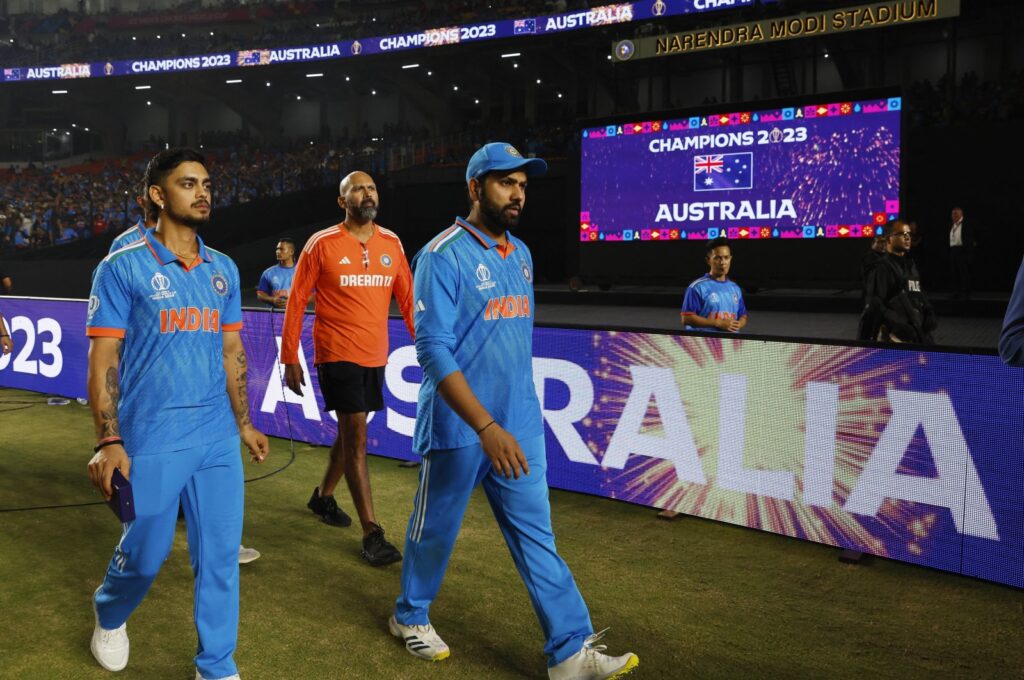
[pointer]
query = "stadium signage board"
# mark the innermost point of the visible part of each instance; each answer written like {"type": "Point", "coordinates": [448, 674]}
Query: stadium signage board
{"type": "Point", "coordinates": [908, 454]}
{"type": "Point", "coordinates": [620, 13]}
{"type": "Point", "coordinates": [813, 24]}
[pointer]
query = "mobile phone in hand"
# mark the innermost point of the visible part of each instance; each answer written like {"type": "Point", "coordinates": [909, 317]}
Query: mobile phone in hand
{"type": "Point", "coordinates": [121, 500]}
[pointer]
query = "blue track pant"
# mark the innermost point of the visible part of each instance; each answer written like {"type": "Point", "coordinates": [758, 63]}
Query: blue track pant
{"type": "Point", "coordinates": [208, 482]}
{"type": "Point", "coordinates": [523, 511]}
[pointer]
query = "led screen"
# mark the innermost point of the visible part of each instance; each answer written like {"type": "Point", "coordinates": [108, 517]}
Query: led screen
{"type": "Point", "coordinates": [823, 170]}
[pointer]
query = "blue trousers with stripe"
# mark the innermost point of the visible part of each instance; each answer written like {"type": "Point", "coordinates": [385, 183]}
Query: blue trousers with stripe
{"type": "Point", "coordinates": [523, 512]}
{"type": "Point", "coordinates": [208, 482]}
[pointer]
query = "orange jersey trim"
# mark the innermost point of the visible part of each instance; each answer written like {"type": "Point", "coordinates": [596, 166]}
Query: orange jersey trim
{"type": "Point", "coordinates": [97, 332]}
{"type": "Point", "coordinates": [231, 326]}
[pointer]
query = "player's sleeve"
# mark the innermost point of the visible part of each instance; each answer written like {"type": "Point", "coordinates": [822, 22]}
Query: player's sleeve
{"type": "Point", "coordinates": [403, 292]}
{"type": "Point", "coordinates": [264, 285]}
{"type": "Point", "coordinates": [307, 269]}
{"type": "Point", "coordinates": [436, 294]}
{"type": "Point", "coordinates": [692, 303]}
{"type": "Point", "coordinates": [110, 301]}
{"type": "Point", "coordinates": [741, 311]}
{"type": "Point", "coordinates": [232, 318]}
{"type": "Point", "coordinates": [1011, 340]}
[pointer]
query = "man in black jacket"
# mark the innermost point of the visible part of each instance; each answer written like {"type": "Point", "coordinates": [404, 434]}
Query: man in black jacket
{"type": "Point", "coordinates": [895, 308]}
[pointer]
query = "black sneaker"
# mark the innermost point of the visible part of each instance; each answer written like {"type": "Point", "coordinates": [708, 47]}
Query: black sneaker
{"type": "Point", "coordinates": [377, 551]}
{"type": "Point", "coordinates": [328, 509]}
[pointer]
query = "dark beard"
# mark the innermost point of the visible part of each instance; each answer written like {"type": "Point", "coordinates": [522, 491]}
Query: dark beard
{"type": "Point", "coordinates": [188, 221]}
{"type": "Point", "coordinates": [495, 216]}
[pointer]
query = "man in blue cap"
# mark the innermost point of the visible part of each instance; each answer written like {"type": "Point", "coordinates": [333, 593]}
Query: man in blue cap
{"type": "Point", "coordinates": [478, 420]}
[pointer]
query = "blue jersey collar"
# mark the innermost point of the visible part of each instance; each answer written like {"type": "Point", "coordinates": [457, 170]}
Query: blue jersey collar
{"type": "Point", "coordinates": [165, 256]}
{"type": "Point", "coordinates": [485, 240]}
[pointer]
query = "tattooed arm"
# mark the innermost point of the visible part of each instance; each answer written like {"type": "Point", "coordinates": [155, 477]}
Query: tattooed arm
{"type": "Point", "coordinates": [104, 386]}
{"type": "Point", "coordinates": [236, 368]}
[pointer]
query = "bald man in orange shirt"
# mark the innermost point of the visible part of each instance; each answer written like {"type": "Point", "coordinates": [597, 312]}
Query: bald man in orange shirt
{"type": "Point", "coordinates": [355, 268]}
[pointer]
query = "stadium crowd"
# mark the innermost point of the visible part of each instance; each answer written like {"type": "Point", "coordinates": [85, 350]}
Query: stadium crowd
{"type": "Point", "coordinates": [46, 205]}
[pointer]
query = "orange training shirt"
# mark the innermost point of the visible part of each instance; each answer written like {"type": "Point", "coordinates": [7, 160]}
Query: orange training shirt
{"type": "Point", "coordinates": [354, 283]}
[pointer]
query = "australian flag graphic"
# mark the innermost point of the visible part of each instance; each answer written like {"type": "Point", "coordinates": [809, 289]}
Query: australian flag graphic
{"type": "Point", "coordinates": [524, 26]}
{"type": "Point", "coordinates": [723, 172]}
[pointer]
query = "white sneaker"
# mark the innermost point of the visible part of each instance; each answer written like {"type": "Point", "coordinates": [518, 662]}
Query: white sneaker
{"type": "Point", "coordinates": [230, 677]}
{"type": "Point", "coordinates": [247, 555]}
{"type": "Point", "coordinates": [421, 641]}
{"type": "Point", "coordinates": [110, 647]}
{"type": "Point", "coordinates": [591, 664]}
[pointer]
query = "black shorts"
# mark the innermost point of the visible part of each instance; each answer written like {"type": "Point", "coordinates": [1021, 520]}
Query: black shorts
{"type": "Point", "coordinates": [351, 388]}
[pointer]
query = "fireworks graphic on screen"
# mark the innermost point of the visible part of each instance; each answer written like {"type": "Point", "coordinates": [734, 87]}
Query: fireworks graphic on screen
{"type": "Point", "coordinates": [858, 168]}
{"type": "Point", "coordinates": [774, 433]}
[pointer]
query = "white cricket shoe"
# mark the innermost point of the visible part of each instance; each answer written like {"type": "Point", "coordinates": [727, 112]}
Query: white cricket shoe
{"type": "Point", "coordinates": [110, 647]}
{"type": "Point", "coordinates": [590, 663]}
{"type": "Point", "coordinates": [247, 555]}
{"type": "Point", "coordinates": [230, 677]}
{"type": "Point", "coordinates": [421, 641]}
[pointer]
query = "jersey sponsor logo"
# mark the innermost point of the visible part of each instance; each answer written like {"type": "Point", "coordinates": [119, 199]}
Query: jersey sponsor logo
{"type": "Point", "coordinates": [420, 306]}
{"type": "Point", "coordinates": [190, 319]}
{"type": "Point", "coordinates": [365, 280]}
{"type": "Point", "coordinates": [220, 284]}
{"type": "Point", "coordinates": [385, 260]}
{"type": "Point", "coordinates": [162, 285]}
{"type": "Point", "coordinates": [507, 307]}
{"type": "Point", "coordinates": [345, 260]}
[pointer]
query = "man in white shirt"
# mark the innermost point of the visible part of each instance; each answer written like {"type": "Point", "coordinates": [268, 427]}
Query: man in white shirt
{"type": "Point", "coordinates": [961, 243]}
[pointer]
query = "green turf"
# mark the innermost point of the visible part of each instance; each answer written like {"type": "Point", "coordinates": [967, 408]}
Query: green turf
{"type": "Point", "coordinates": [693, 598]}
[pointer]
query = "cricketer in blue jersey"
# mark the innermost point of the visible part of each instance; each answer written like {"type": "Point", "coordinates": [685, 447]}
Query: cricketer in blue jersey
{"type": "Point", "coordinates": [713, 302]}
{"type": "Point", "coordinates": [478, 421]}
{"type": "Point", "coordinates": [276, 281]}
{"type": "Point", "coordinates": [167, 387]}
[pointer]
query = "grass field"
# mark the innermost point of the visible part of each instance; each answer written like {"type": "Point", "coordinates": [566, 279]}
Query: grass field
{"type": "Point", "coordinates": [694, 598]}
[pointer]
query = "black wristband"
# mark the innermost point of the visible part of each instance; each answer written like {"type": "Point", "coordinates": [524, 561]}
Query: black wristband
{"type": "Point", "coordinates": [484, 427]}
{"type": "Point", "coordinates": [108, 442]}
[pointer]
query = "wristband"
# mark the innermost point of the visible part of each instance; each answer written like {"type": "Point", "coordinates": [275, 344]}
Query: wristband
{"type": "Point", "coordinates": [107, 442]}
{"type": "Point", "coordinates": [484, 427]}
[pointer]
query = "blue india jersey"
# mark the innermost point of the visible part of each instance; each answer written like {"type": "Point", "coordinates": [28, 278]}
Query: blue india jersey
{"type": "Point", "coordinates": [473, 311]}
{"type": "Point", "coordinates": [713, 300]}
{"type": "Point", "coordinates": [276, 281]}
{"type": "Point", "coordinates": [172, 317]}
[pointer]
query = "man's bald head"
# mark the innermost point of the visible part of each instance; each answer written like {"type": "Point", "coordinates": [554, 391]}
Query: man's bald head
{"type": "Point", "coordinates": [357, 196]}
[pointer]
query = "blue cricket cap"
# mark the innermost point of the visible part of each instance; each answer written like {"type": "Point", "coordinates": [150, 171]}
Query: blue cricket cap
{"type": "Point", "coordinates": [502, 156]}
